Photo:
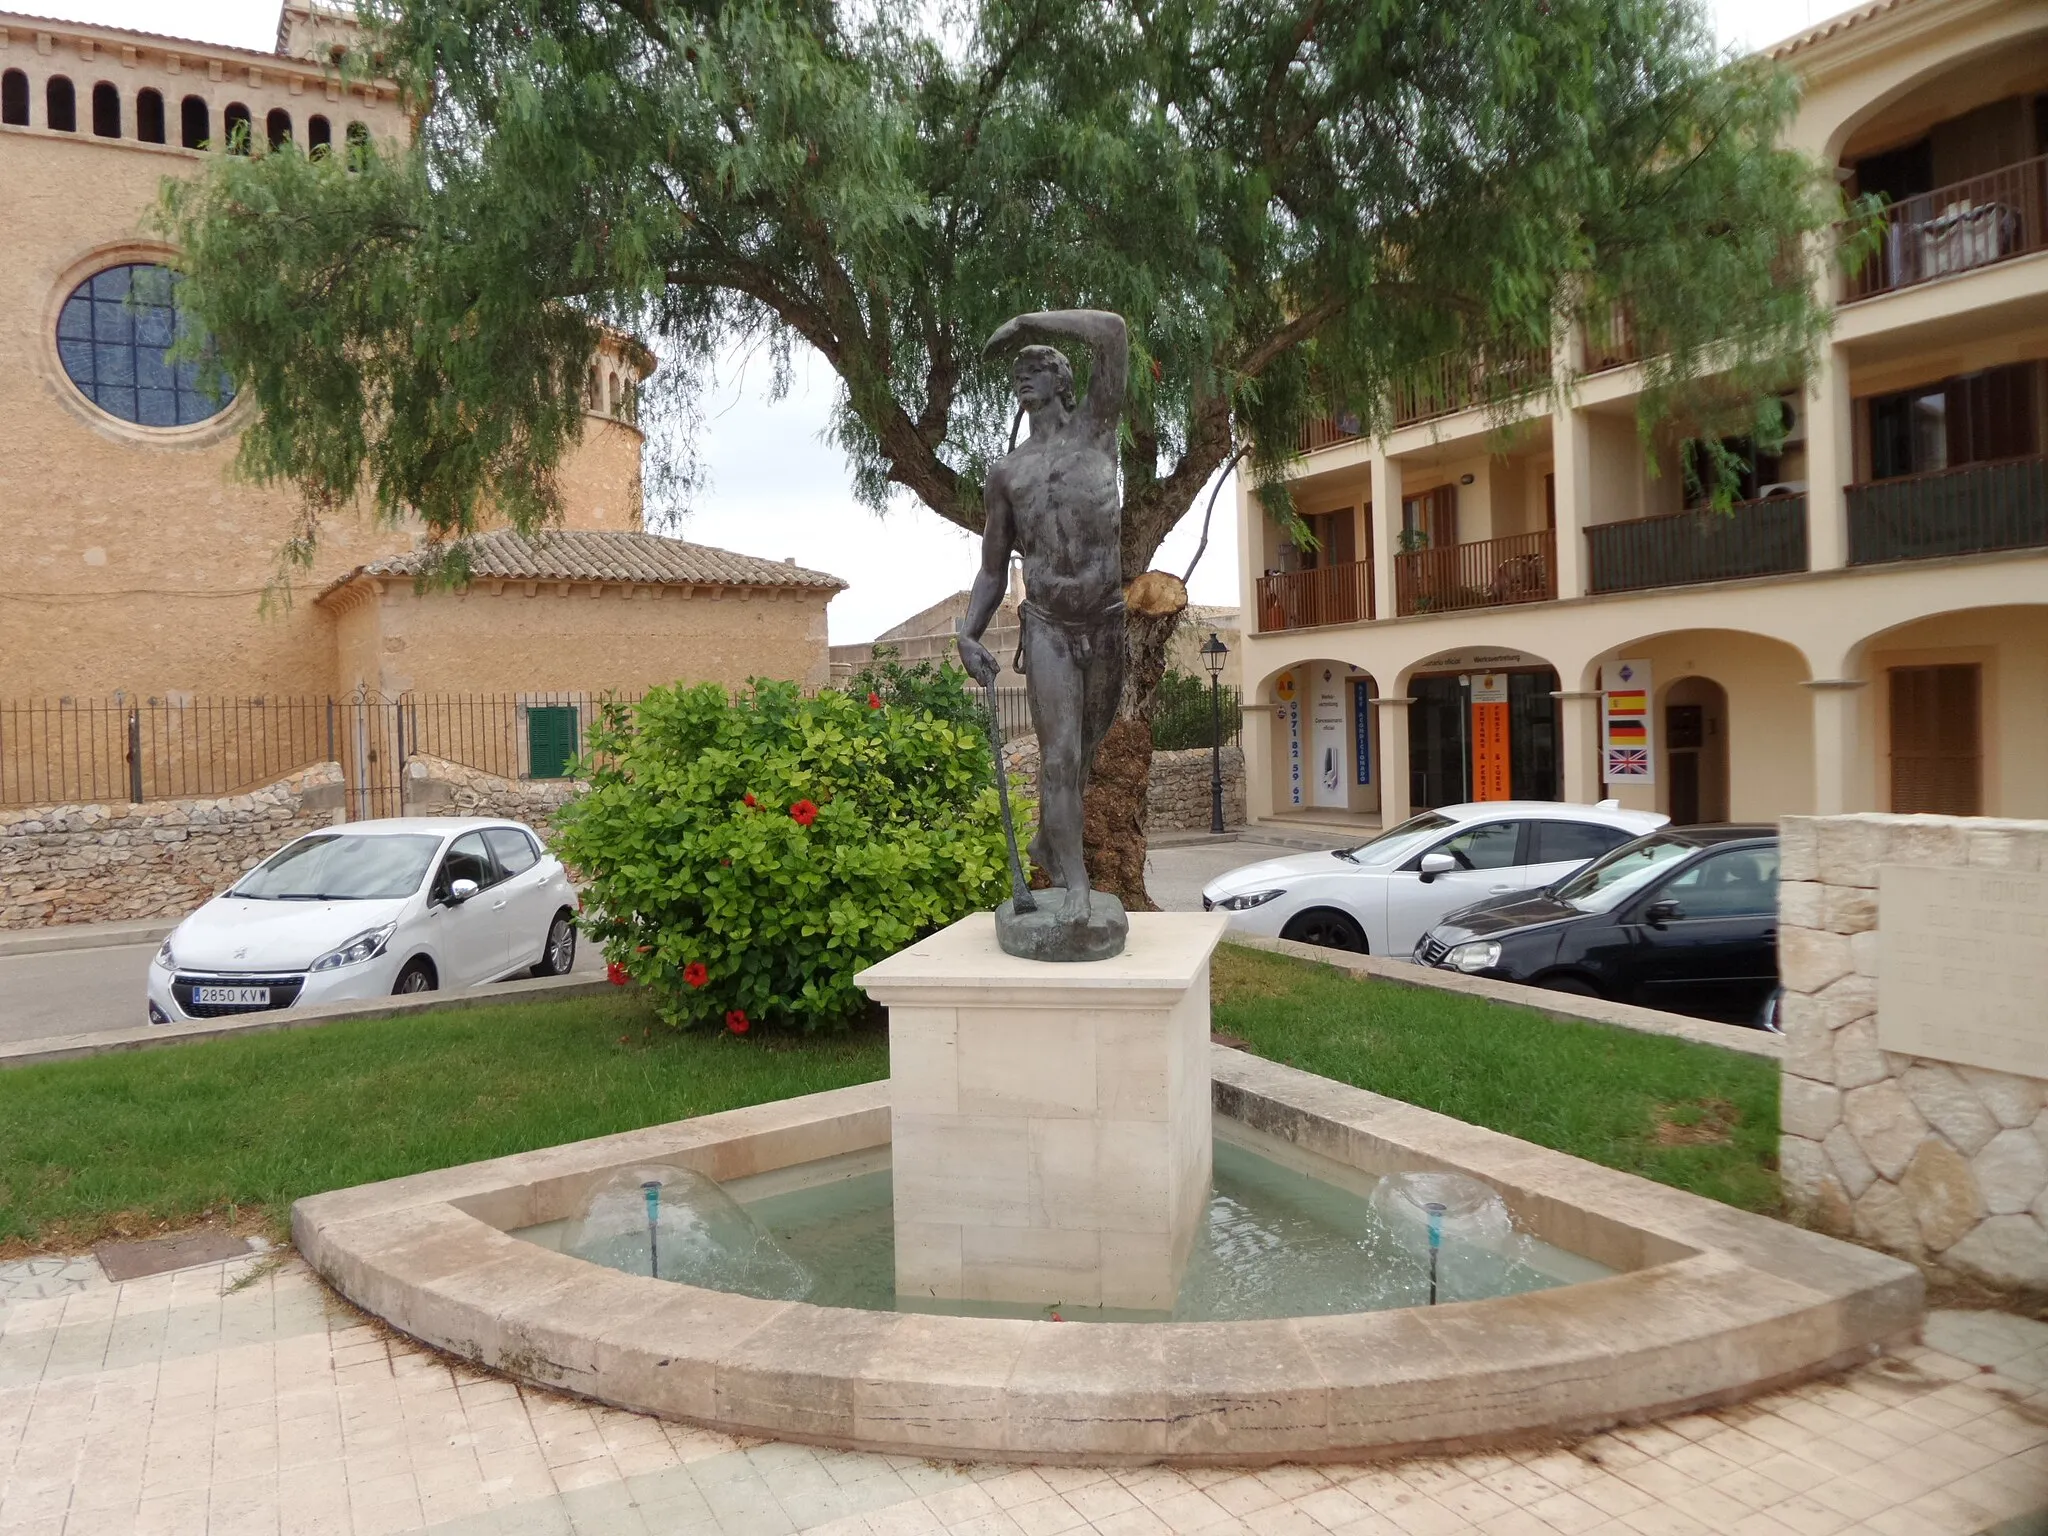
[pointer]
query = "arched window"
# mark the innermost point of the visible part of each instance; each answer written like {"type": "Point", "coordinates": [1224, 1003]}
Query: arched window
{"type": "Point", "coordinates": [358, 144]}
{"type": "Point", "coordinates": [60, 105]}
{"type": "Point", "coordinates": [611, 394]}
{"type": "Point", "coordinates": [195, 122]}
{"type": "Point", "coordinates": [14, 98]}
{"type": "Point", "coordinates": [278, 127]}
{"type": "Point", "coordinates": [235, 128]}
{"type": "Point", "coordinates": [149, 115]}
{"type": "Point", "coordinates": [106, 110]}
{"type": "Point", "coordinates": [319, 136]}
{"type": "Point", "coordinates": [112, 335]}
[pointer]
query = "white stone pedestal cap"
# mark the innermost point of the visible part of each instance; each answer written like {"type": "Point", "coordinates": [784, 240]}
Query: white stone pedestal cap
{"type": "Point", "coordinates": [963, 963]}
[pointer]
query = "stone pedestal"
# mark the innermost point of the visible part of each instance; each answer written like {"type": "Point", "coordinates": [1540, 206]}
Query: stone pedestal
{"type": "Point", "coordinates": [1050, 1123]}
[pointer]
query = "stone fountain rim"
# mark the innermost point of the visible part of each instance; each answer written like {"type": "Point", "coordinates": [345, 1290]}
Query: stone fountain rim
{"type": "Point", "coordinates": [1714, 1304]}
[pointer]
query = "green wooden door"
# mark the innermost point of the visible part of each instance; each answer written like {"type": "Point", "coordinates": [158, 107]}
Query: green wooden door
{"type": "Point", "coordinates": [550, 741]}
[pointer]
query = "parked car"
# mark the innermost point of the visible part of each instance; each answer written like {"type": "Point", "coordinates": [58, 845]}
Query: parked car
{"type": "Point", "coordinates": [367, 910]}
{"type": "Point", "coordinates": [1379, 897]}
{"type": "Point", "coordinates": [1685, 919]}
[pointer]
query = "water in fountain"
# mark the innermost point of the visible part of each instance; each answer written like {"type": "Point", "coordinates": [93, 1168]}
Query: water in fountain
{"type": "Point", "coordinates": [676, 1224]}
{"type": "Point", "coordinates": [1442, 1236]}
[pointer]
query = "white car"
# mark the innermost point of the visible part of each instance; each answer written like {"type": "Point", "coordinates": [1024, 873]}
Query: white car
{"type": "Point", "coordinates": [367, 910]}
{"type": "Point", "coordinates": [1381, 896]}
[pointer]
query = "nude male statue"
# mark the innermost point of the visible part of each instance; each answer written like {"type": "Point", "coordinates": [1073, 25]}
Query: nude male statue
{"type": "Point", "coordinates": [1053, 500]}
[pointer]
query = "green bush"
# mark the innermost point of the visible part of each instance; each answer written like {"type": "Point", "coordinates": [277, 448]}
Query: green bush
{"type": "Point", "coordinates": [747, 856]}
{"type": "Point", "coordinates": [1182, 714]}
{"type": "Point", "coordinates": [936, 687]}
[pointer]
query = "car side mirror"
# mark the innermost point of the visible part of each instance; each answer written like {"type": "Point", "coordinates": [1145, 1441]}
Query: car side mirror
{"type": "Point", "coordinates": [461, 891]}
{"type": "Point", "coordinates": [1658, 913]}
{"type": "Point", "coordinates": [1434, 864]}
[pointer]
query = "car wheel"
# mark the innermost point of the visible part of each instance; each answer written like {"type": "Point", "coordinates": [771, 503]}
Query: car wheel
{"type": "Point", "coordinates": [418, 976]}
{"type": "Point", "coordinates": [1327, 929]}
{"type": "Point", "coordinates": [558, 955]}
{"type": "Point", "coordinates": [1569, 984]}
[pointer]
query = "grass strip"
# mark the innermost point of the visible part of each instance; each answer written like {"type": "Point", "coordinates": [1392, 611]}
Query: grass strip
{"type": "Point", "coordinates": [129, 1142]}
{"type": "Point", "coordinates": [1692, 1116]}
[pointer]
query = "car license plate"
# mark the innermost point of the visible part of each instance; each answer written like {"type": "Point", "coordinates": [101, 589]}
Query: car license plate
{"type": "Point", "coordinates": [232, 997]}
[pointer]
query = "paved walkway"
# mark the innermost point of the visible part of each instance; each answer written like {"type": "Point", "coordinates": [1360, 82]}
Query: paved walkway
{"type": "Point", "coordinates": [242, 1398]}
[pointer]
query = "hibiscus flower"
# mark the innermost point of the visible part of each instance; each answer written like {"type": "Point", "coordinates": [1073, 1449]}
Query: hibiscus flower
{"type": "Point", "coordinates": [694, 974]}
{"type": "Point", "coordinates": [803, 813]}
{"type": "Point", "coordinates": [736, 1021]}
{"type": "Point", "coordinates": [750, 797]}
{"type": "Point", "coordinates": [874, 701]}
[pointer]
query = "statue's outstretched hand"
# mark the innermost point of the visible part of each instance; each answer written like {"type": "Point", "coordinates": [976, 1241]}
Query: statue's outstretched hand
{"type": "Point", "coordinates": [980, 663]}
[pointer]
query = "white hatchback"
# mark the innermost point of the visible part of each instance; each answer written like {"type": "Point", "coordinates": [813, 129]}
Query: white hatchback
{"type": "Point", "coordinates": [1381, 896]}
{"type": "Point", "coordinates": [370, 909]}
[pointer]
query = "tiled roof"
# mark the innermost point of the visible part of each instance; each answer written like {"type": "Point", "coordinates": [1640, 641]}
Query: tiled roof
{"type": "Point", "coordinates": [565, 554]}
{"type": "Point", "coordinates": [1821, 31]}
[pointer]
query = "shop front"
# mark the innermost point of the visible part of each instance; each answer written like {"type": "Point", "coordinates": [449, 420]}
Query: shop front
{"type": "Point", "coordinates": [1483, 727]}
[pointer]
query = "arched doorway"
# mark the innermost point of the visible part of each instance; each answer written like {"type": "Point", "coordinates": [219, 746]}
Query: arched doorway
{"type": "Point", "coordinates": [1696, 750]}
{"type": "Point", "coordinates": [1324, 744]}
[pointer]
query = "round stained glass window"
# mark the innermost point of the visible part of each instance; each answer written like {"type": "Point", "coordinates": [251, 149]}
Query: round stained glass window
{"type": "Point", "coordinates": [112, 335]}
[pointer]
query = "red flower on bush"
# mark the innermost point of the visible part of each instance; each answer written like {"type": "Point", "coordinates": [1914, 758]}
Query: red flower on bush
{"type": "Point", "coordinates": [694, 974]}
{"type": "Point", "coordinates": [736, 1021]}
{"type": "Point", "coordinates": [615, 973]}
{"type": "Point", "coordinates": [803, 813]}
{"type": "Point", "coordinates": [750, 797]}
{"type": "Point", "coordinates": [874, 701]}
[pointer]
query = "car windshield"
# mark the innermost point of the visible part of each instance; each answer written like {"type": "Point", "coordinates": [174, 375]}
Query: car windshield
{"type": "Point", "coordinates": [1606, 883]}
{"type": "Point", "coordinates": [342, 867]}
{"type": "Point", "coordinates": [1395, 841]}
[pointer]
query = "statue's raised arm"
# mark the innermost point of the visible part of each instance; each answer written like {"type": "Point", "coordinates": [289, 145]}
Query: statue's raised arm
{"type": "Point", "coordinates": [1109, 355]}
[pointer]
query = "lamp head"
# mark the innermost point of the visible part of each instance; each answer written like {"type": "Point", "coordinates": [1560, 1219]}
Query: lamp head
{"type": "Point", "coordinates": [1213, 651]}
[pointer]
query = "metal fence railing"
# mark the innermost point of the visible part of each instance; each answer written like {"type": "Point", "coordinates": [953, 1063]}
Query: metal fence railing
{"type": "Point", "coordinates": [1675, 549]}
{"type": "Point", "coordinates": [1957, 228]}
{"type": "Point", "coordinates": [1964, 511]}
{"type": "Point", "coordinates": [1488, 573]}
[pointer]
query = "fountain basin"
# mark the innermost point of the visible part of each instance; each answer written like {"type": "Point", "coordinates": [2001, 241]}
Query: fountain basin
{"type": "Point", "coordinates": [1708, 1304]}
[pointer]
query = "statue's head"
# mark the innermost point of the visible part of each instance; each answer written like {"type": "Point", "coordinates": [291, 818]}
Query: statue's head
{"type": "Point", "coordinates": [1042, 375]}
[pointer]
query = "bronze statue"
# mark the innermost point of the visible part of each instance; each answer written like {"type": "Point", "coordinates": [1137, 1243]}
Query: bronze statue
{"type": "Point", "coordinates": [1053, 500]}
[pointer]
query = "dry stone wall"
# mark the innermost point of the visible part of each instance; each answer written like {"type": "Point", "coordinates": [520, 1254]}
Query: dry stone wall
{"type": "Point", "coordinates": [101, 863]}
{"type": "Point", "coordinates": [434, 786]}
{"type": "Point", "coordinates": [1177, 797]}
{"type": "Point", "coordinates": [1936, 1160]}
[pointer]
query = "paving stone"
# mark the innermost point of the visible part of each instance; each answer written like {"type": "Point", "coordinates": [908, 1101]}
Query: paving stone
{"type": "Point", "coordinates": [161, 1255]}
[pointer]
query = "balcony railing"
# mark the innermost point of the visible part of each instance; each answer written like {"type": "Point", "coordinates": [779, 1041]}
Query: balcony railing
{"type": "Point", "coordinates": [1329, 594]}
{"type": "Point", "coordinates": [1521, 568]}
{"type": "Point", "coordinates": [1327, 433]}
{"type": "Point", "coordinates": [1448, 384]}
{"type": "Point", "coordinates": [1966, 511]}
{"type": "Point", "coordinates": [1958, 228]}
{"type": "Point", "coordinates": [1611, 339]}
{"type": "Point", "coordinates": [1753, 538]}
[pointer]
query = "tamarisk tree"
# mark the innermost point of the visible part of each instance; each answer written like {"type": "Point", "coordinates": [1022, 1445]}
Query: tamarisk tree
{"type": "Point", "coordinates": [1295, 203]}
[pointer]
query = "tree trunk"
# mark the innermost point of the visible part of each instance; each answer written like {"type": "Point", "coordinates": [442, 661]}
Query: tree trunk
{"type": "Point", "coordinates": [1113, 813]}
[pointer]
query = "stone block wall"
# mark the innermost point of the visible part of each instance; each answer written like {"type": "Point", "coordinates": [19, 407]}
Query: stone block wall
{"type": "Point", "coordinates": [101, 863]}
{"type": "Point", "coordinates": [1941, 1163]}
{"type": "Point", "coordinates": [434, 786]}
{"type": "Point", "coordinates": [1177, 797]}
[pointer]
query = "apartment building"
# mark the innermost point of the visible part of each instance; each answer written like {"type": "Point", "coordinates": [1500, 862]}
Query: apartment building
{"type": "Point", "coordinates": [1537, 614]}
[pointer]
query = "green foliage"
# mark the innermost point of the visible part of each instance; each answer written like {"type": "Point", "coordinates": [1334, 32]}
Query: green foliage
{"type": "Point", "coordinates": [1297, 206]}
{"type": "Point", "coordinates": [934, 687]}
{"type": "Point", "coordinates": [1182, 709]}
{"type": "Point", "coordinates": [693, 845]}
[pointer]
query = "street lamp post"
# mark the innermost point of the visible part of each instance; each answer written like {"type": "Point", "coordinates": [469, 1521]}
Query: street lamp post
{"type": "Point", "coordinates": [1213, 653]}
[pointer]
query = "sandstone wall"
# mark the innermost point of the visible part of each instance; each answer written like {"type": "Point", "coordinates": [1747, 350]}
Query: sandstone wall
{"type": "Point", "coordinates": [1177, 798]}
{"type": "Point", "coordinates": [99, 863]}
{"type": "Point", "coordinates": [1941, 1163]}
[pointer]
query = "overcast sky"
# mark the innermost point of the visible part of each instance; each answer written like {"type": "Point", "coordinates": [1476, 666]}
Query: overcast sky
{"type": "Point", "coordinates": [776, 488]}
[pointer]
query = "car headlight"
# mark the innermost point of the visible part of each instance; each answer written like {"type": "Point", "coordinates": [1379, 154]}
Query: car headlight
{"type": "Point", "coordinates": [1247, 901]}
{"type": "Point", "coordinates": [367, 945]}
{"type": "Point", "coordinates": [165, 959]}
{"type": "Point", "coordinates": [1474, 957]}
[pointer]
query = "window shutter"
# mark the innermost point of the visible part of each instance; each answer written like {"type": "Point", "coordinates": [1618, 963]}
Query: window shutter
{"type": "Point", "coordinates": [550, 741]}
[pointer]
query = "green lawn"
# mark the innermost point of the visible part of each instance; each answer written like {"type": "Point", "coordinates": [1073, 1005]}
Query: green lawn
{"type": "Point", "coordinates": [123, 1142]}
{"type": "Point", "coordinates": [1688, 1115]}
